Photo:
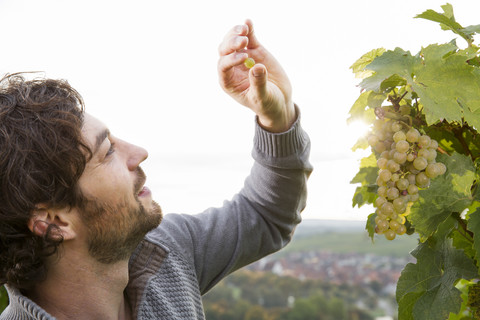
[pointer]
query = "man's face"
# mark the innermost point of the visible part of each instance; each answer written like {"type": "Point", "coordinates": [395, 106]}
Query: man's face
{"type": "Point", "coordinates": [117, 209]}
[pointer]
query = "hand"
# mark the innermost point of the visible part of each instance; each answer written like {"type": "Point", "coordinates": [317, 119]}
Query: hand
{"type": "Point", "coordinates": [266, 91]}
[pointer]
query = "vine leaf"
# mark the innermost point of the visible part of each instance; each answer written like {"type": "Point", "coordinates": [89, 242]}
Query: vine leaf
{"type": "Point", "coordinates": [359, 109]}
{"type": "Point", "coordinates": [426, 290]}
{"type": "Point", "coordinates": [450, 100]}
{"type": "Point", "coordinates": [447, 21]}
{"type": "Point", "coordinates": [397, 62]}
{"type": "Point", "coordinates": [367, 176]}
{"type": "Point", "coordinates": [447, 193]}
{"type": "Point", "coordinates": [358, 67]}
{"type": "Point", "coordinates": [474, 226]}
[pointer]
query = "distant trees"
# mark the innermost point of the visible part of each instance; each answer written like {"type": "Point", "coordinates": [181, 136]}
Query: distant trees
{"type": "Point", "coordinates": [248, 295]}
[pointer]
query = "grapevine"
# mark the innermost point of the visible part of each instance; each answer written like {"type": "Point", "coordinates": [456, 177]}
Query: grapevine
{"type": "Point", "coordinates": [422, 177]}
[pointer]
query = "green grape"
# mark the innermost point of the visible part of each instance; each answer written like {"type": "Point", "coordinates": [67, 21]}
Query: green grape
{"type": "Point", "coordinates": [401, 230]}
{"type": "Point", "coordinates": [423, 153]}
{"type": "Point", "coordinates": [392, 193]}
{"type": "Point", "coordinates": [414, 197]}
{"type": "Point", "coordinates": [432, 155]}
{"type": "Point", "coordinates": [387, 209]}
{"type": "Point", "coordinates": [441, 168]}
{"type": "Point", "coordinates": [380, 147]}
{"type": "Point", "coordinates": [400, 219]}
{"type": "Point", "coordinates": [402, 146]}
{"type": "Point", "coordinates": [402, 184]}
{"type": "Point", "coordinates": [434, 144]}
{"type": "Point", "coordinates": [394, 225]}
{"type": "Point", "coordinates": [382, 191]}
{"type": "Point", "coordinates": [424, 141]}
{"type": "Point", "coordinates": [399, 204]}
{"type": "Point", "coordinates": [249, 63]}
{"type": "Point", "coordinates": [412, 189]}
{"type": "Point", "coordinates": [396, 126]}
{"type": "Point", "coordinates": [400, 157]}
{"type": "Point", "coordinates": [432, 170]}
{"type": "Point", "coordinates": [382, 163]}
{"type": "Point", "coordinates": [384, 155]}
{"type": "Point", "coordinates": [410, 157]}
{"type": "Point", "coordinates": [412, 135]}
{"type": "Point", "coordinates": [380, 201]}
{"type": "Point", "coordinates": [392, 166]}
{"type": "Point", "coordinates": [381, 216]}
{"type": "Point", "coordinates": [383, 225]}
{"type": "Point", "coordinates": [390, 234]}
{"type": "Point", "coordinates": [420, 163]}
{"type": "Point", "coordinates": [399, 136]}
{"type": "Point", "coordinates": [391, 153]}
{"type": "Point", "coordinates": [384, 175]}
{"type": "Point", "coordinates": [422, 180]}
{"type": "Point", "coordinates": [395, 177]}
{"type": "Point", "coordinates": [411, 178]}
{"type": "Point", "coordinates": [380, 182]}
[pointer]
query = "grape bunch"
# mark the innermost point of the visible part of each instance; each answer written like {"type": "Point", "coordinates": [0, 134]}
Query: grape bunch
{"type": "Point", "coordinates": [406, 162]}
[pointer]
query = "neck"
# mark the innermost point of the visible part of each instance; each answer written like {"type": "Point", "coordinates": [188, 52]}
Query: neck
{"type": "Point", "coordinates": [78, 287]}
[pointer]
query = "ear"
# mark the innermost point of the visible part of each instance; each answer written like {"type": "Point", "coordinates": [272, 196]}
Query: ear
{"type": "Point", "coordinates": [43, 216]}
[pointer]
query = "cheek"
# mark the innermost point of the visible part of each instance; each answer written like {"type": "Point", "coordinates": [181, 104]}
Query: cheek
{"type": "Point", "coordinates": [110, 184]}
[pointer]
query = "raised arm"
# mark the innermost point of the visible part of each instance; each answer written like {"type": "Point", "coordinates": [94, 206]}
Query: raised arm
{"type": "Point", "coordinates": [261, 218]}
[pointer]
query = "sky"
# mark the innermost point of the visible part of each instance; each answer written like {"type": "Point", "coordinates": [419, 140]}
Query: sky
{"type": "Point", "coordinates": [147, 69]}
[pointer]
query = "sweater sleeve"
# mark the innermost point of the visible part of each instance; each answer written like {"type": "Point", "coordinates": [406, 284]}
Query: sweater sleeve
{"type": "Point", "coordinates": [259, 220]}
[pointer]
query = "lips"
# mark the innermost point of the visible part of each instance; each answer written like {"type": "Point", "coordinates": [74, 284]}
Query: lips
{"type": "Point", "coordinates": [144, 192]}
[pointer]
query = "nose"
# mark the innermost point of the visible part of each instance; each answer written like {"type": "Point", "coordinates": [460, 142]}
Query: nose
{"type": "Point", "coordinates": [136, 156]}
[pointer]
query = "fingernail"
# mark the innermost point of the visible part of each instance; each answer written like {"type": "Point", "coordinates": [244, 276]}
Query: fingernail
{"type": "Point", "coordinates": [258, 72]}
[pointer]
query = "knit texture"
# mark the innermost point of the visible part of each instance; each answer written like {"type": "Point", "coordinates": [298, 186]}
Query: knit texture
{"type": "Point", "coordinates": [188, 254]}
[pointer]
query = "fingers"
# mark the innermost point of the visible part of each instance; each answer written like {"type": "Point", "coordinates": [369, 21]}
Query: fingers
{"type": "Point", "coordinates": [252, 39]}
{"type": "Point", "coordinates": [232, 60]}
{"type": "Point", "coordinates": [236, 39]}
{"type": "Point", "coordinates": [258, 82]}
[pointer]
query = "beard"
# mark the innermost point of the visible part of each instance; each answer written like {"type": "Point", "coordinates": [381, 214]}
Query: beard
{"type": "Point", "coordinates": [115, 230]}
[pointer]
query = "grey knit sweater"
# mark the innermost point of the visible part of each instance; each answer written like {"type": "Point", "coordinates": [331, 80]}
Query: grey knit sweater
{"type": "Point", "coordinates": [188, 254]}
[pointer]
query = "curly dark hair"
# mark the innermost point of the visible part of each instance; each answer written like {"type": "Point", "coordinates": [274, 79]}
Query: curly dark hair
{"type": "Point", "coordinates": [42, 156]}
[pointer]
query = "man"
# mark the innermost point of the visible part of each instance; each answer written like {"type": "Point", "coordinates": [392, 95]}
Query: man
{"type": "Point", "coordinates": [81, 237]}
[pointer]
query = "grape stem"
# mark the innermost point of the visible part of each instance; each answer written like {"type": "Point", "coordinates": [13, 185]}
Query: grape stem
{"type": "Point", "coordinates": [439, 149]}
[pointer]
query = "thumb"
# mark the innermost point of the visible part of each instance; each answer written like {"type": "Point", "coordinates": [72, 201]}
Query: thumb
{"type": "Point", "coordinates": [258, 81]}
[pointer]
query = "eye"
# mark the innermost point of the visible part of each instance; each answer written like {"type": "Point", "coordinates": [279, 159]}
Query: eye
{"type": "Point", "coordinates": [111, 150]}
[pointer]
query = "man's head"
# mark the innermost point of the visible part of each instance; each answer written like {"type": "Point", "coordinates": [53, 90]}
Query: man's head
{"type": "Point", "coordinates": [58, 163]}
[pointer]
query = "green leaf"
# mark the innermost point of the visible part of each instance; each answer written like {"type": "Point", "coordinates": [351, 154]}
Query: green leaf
{"type": "Point", "coordinates": [360, 111]}
{"type": "Point", "coordinates": [397, 62]}
{"type": "Point", "coordinates": [440, 95]}
{"type": "Point", "coordinates": [359, 66]}
{"type": "Point", "coordinates": [471, 117]}
{"type": "Point", "coordinates": [391, 82]}
{"type": "Point", "coordinates": [426, 290]}
{"type": "Point", "coordinates": [446, 20]}
{"type": "Point", "coordinates": [370, 225]}
{"type": "Point", "coordinates": [366, 176]}
{"type": "Point", "coordinates": [362, 143]}
{"type": "Point", "coordinates": [470, 30]}
{"type": "Point", "coordinates": [405, 307]}
{"type": "Point", "coordinates": [446, 194]}
{"type": "Point", "coordinates": [364, 195]}
{"type": "Point", "coordinates": [474, 226]}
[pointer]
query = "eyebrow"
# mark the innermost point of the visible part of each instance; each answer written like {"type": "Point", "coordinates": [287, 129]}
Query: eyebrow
{"type": "Point", "coordinates": [99, 140]}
